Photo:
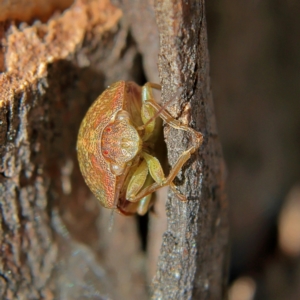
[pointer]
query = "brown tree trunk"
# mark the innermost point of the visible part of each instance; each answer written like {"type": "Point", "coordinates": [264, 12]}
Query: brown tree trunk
{"type": "Point", "coordinates": [54, 237]}
{"type": "Point", "coordinates": [192, 263]}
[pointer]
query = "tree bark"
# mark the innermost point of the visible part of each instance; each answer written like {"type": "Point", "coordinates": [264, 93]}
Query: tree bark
{"type": "Point", "coordinates": [193, 258]}
{"type": "Point", "coordinates": [54, 237]}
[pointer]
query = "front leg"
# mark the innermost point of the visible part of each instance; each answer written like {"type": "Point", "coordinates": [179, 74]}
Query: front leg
{"type": "Point", "coordinates": [196, 143]}
{"type": "Point", "coordinates": [159, 178]}
{"type": "Point", "coordinates": [137, 181]}
{"type": "Point", "coordinates": [148, 113]}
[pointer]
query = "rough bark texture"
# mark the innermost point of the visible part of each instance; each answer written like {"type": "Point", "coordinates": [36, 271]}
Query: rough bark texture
{"type": "Point", "coordinates": [53, 235]}
{"type": "Point", "coordinates": [192, 263]}
{"type": "Point", "coordinates": [52, 246]}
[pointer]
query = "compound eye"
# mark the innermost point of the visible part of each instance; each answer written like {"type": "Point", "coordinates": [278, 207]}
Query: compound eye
{"type": "Point", "coordinates": [123, 115]}
{"type": "Point", "coordinates": [108, 129]}
{"type": "Point", "coordinates": [117, 169]}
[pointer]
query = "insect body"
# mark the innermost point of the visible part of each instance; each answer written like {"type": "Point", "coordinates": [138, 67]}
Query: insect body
{"type": "Point", "coordinates": [116, 147]}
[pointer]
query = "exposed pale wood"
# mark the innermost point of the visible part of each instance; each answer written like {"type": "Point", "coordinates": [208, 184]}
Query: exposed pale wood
{"type": "Point", "coordinates": [24, 10]}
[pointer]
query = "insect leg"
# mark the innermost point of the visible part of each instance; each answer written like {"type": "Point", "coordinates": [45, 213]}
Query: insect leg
{"type": "Point", "coordinates": [197, 141]}
{"type": "Point", "coordinates": [137, 180]}
{"type": "Point", "coordinates": [197, 136]}
{"type": "Point", "coordinates": [144, 205]}
{"type": "Point", "coordinates": [168, 181]}
{"type": "Point", "coordinates": [148, 113]}
{"type": "Point", "coordinates": [155, 168]}
{"type": "Point", "coordinates": [152, 165]}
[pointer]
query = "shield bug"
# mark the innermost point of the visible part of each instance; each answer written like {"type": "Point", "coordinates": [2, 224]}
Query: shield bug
{"type": "Point", "coordinates": [116, 147]}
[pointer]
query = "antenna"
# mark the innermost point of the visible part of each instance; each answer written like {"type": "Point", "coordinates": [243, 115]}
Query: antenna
{"type": "Point", "coordinates": [111, 220]}
{"type": "Point", "coordinates": [116, 199]}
